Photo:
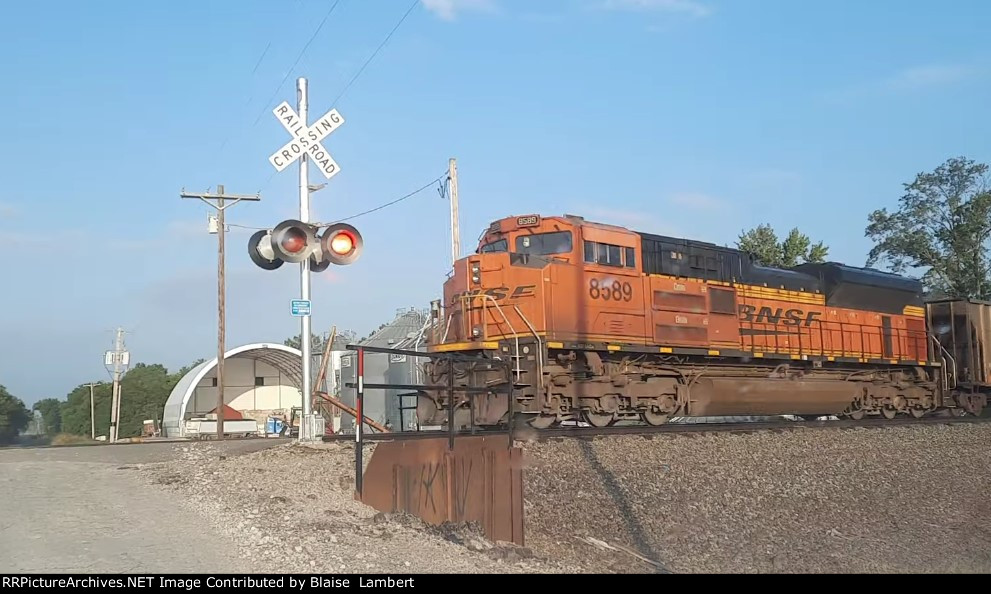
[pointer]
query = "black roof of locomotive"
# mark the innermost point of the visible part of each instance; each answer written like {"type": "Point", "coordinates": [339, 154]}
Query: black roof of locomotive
{"type": "Point", "coordinates": [732, 265]}
{"type": "Point", "coordinates": [835, 273]}
{"type": "Point", "coordinates": [843, 285]}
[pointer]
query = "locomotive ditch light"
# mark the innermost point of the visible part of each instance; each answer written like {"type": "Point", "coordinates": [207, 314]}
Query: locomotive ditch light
{"type": "Point", "coordinates": [261, 252]}
{"type": "Point", "coordinates": [294, 241]}
{"type": "Point", "coordinates": [341, 244]}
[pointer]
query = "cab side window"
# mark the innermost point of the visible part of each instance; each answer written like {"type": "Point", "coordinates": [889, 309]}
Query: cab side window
{"type": "Point", "coordinates": [607, 254]}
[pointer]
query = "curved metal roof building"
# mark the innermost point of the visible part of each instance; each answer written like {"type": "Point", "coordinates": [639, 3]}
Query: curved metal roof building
{"type": "Point", "coordinates": [287, 360]}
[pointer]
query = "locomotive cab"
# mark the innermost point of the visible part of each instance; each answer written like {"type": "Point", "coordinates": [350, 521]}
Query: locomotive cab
{"type": "Point", "coordinates": [497, 292]}
{"type": "Point", "coordinates": [496, 305]}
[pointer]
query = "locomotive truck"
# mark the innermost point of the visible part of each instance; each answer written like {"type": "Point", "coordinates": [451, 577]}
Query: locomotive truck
{"type": "Point", "coordinates": [582, 321]}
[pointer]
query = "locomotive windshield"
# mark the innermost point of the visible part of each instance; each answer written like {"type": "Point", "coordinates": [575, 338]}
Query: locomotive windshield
{"type": "Point", "coordinates": [496, 246]}
{"type": "Point", "coordinates": [543, 244]}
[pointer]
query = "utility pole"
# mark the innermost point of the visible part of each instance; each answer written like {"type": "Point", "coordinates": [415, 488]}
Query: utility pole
{"type": "Point", "coordinates": [452, 175]}
{"type": "Point", "coordinates": [221, 285]}
{"type": "Point", "coordinates": [119, 358]}
{"type": "Point", "coordinates": [92, 413]}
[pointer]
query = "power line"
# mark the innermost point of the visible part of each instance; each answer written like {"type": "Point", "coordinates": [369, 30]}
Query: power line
{"type": "Point", "coordinates": [298, 58]}
{"type": "Point", "coordinates": [372, 57]}
{"type": "Point", "coordinates": [360, 214]}
{"type": "Point", "coordinates": [410, 195]}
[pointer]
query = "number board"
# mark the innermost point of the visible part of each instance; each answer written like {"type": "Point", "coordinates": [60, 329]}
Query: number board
{"type": "Point", "coordinates": [606, 290]}
{"type": "Point", "coordinates": [528, 221]}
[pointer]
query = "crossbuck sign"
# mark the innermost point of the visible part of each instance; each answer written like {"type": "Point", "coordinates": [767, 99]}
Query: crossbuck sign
{"type": "Point", "coordinates": [306, 140]}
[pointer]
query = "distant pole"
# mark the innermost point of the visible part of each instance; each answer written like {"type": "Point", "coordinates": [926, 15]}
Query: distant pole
{"type": "Point", "coordinates": [221, 286]}
{"type": "Point", "coordinates": [115, 402]}
{"type": "Point", "coordinates": [221, 311]}
{"type": "Point", "coordinates": [452, 173]}
{"type": "Point", "coordinates": [92, 413]}
{"type": "Point", "coordinates": [304, 268]}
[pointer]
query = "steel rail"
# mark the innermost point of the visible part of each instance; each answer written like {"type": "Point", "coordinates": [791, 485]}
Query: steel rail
{"type": "Point", "coordinates": [673, 428]}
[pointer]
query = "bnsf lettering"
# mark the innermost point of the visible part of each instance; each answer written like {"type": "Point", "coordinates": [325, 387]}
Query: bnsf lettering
{"type": "Point", "coordinates": [765, 315]}
{"type": "Point", "coordinates": [500, 293]}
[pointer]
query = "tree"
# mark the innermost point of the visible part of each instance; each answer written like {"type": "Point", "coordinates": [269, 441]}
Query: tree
{"type": "Point", "coordinates": [316, 343]}
{"type": "Point", "coordinates": [943, 224]}
{"type": "Point", "coordinates": [14, 416]}
{"type": "Point", "coordinates": [51, 414]}
{"type": "Point", "coordinates": [763, 246]}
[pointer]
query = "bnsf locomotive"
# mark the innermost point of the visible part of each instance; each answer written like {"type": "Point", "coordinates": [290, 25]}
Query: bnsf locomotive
{"type": "Point", "coordinates": [599, 323]}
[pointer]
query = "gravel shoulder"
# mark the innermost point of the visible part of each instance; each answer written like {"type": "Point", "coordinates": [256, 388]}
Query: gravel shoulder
{"type": "Point", "coordinates": [290, 508]}
{"type": "Point", "coordinates": [867, 501]}
{"type": "Point", "coordinates": [74, 510]}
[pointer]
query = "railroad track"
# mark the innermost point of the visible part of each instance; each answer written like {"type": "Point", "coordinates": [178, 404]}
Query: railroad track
{"type": "Point", "coordinates": [530, 434]}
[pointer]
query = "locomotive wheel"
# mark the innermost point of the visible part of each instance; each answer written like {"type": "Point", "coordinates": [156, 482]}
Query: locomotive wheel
{"type": "Point", "coordinates": [857, 414]}
{"type": "Point", "coordinates": [973, 405]}
{"type": "Point", "coordinates": [888, 412]}
{"type": "Point", "coordinates": [917, 412]}
{"type": "Point", "coordinates": [654, 418]}
{"type": "Point", "coordinates": [599, 419]}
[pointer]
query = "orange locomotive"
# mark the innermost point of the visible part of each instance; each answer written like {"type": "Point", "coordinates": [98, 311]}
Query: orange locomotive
{"type": "Point", "coordinates": [603, 324]}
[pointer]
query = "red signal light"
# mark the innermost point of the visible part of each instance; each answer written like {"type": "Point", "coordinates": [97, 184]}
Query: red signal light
{"type": "Point", "coordinates": [342, 243]}
{"type": "Point", "coordinates": [294, 241]}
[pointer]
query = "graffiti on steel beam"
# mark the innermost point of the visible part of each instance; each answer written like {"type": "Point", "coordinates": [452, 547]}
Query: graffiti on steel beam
{"type": "Point", "coordinates": [461, 497]}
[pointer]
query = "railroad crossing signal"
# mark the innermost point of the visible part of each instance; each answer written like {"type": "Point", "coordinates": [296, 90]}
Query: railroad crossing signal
{"type": "Point", "coordinates": [294, 241]}
{"type": "Point", "coordinates": [306, 140]}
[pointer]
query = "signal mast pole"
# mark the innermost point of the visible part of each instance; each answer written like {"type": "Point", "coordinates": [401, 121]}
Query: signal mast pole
{"type": "Point", "coordinates": [221, 286]}
{"type": "Point", "coordinates": [304, 269]}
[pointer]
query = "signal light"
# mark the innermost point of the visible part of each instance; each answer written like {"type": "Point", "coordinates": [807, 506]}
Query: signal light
{"type": "Point", "coordinates": [261, 252]}
{"type": "Point", "coordinates": [341, 244]}
{"type": "Point", "coordinates": [295, 242]}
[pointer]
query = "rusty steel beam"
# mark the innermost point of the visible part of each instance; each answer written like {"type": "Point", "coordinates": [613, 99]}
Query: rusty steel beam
{"type": "Point", "coordinates": [479, 480]}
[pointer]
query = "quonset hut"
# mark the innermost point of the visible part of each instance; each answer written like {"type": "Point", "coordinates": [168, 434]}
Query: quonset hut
{"type": "Point", "coordinates": [407, 332]}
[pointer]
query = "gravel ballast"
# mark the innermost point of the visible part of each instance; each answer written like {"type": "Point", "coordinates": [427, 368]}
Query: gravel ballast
{"type": "Point", "coordinates": [867, 500]}
{"type": "Point", "coordinates": [870, 500]}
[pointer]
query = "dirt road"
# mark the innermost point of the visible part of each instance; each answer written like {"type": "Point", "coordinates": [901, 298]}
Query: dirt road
{"type": "Point", "coordinates": [84, 509]}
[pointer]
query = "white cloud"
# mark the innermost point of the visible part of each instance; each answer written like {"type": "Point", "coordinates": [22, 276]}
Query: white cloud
{"type": "Point", "coordinates": [7, 211]}
{"type": "Point", "coordinates": [927, 76]}
{"type": "Point", "coordinates": [910, 79]}
{"type": "Point", "coordinates": [687, 6]}
{"type": "Point", "coordinates": [449, 9]}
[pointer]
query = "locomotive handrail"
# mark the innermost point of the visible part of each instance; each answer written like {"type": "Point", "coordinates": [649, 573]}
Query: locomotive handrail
{"type": "Point", "coordinates": [447, 327]}
{"type": "Point", "coordinates": [540, 349]}
{"type": "Point", "coordinates": [485, 332]}
{"type": "Point", "coordinates": [946, 355]}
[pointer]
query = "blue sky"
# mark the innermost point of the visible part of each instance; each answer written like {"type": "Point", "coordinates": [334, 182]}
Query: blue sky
{"type": "Point", "coordinates": [696, 118]}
